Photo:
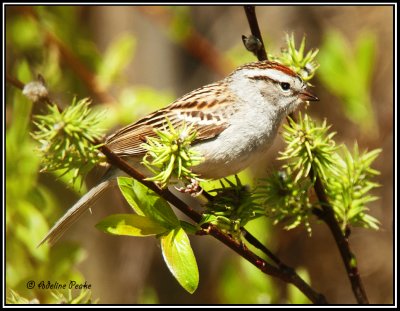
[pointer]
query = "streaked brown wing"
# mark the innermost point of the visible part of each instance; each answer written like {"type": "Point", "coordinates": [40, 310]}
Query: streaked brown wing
{"type": "Point", "coordinates": [198, 107]}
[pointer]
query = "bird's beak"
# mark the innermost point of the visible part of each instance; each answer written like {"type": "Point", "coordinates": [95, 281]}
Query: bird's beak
{"type": "Point", "coordinates": [307, 96]}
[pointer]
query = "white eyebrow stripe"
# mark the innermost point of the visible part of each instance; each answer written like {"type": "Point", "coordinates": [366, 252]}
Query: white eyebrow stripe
{"type": "Point", "coordinates": [272, 74]}
{"type": "Point", "coordinates": [278, 75]}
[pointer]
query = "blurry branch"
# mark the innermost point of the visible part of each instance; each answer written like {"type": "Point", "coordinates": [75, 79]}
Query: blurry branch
{"type": "Point", "coordinates": [192, 41]}
{"type": "Point", "coordinates": [325, 213]}
{"type": "Point", "coordinates": [71, 60]}
{"type": "Point", "coordinates": [80, 69]}
{"type": "Point", "coordinates": [283, 273]}
{"type": "Point", "coordinates": [15, 82]}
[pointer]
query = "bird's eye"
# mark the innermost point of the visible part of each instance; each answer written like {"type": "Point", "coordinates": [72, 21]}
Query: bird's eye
{"type": "Point", "coordinates": [285, 86]}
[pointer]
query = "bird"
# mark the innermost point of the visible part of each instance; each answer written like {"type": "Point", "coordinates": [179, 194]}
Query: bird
{"type": "Point", "coordinates": [236, 120]}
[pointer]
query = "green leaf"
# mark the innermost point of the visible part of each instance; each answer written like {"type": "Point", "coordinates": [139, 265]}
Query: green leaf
{"type": "Point", "coordinates": [23, 34]}
{"type": "Point", "coordinates": [23, 71]}
{"type": "Point", "coordinates": [32, 228]}
{"type": "Point", "coordinates": [346, 70]}
{"type": "Point", "coordinates": [365, 57]}
{"type": "Point", "coordinates": [130, 224]}
{"type": "Point", "coordinates": [180, 260]}
{"type": "Point", "coordinates": [147, 203]}
{"type": "Point", "coordinates": [126, 185]}
{"type": "Point", "coordinates": [117, 57]}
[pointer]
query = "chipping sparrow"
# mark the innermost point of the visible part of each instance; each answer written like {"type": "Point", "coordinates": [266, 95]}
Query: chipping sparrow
{"type": "Point", "coordinates": [236, 120]}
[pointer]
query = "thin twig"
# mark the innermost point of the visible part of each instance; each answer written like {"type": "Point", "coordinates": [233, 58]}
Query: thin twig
{"type": "Point", "coordinates": [251, 239]}
{"type": "Point", "coordinates": [342, 242]}
{"type": "Point", "coordinates": [257, 244]}
{"type": "Point", "coordinates": [15, 82]}
{"type": "Point", "coordinates": [286, 275]}
{"type": "Point", "coordinates": [255, 30]}
{"type": "Point", "coordinates": [326, 213]}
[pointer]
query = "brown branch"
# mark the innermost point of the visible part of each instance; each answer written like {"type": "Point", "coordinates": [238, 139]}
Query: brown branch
{"type": "Point", "coordinates": [15, 82]}
{"type": "Point", "coordinates": [257, 244]}
{"type": "Point", "coordinates": [250, 11]}
{"type": "Point", "coordinates": [286, 275]}
{"type": "Point", "coordinates": [328, 216]}
{"type": "Point", "coordinates": [326, 212]}
{"type": "Point", "coordinates": [251, 239]}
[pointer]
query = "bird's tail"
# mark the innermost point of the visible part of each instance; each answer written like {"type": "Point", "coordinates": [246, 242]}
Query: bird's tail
{"type": "Point", "coordinates": [75, 212]}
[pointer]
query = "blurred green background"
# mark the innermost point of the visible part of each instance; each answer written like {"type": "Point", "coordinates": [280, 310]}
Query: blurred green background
{"type": "Point", "coordinates": [133, 60]}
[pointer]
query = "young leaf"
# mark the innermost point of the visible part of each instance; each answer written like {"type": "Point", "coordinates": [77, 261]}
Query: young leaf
{"type": "Point", "coordinates": [117, 57]}
{"type": "Point", "coordinates": [146, 203]}
{"type": "Point", "coordinates": [67, 138]}
{"type": "Point", "coordinates": [179, 257]}
{"type": "Point", "coordinates": [170, 155]}
{"type": "Point", "coordinates": [130, 224]}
